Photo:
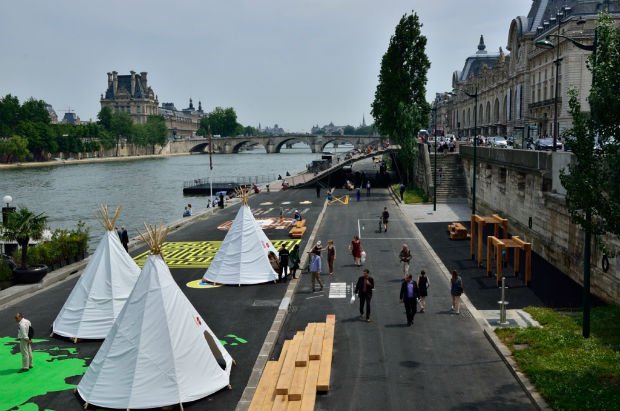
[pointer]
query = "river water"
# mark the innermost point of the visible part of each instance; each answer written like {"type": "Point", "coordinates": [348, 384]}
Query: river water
{"type": "Point", "coordinates": [149, 190]}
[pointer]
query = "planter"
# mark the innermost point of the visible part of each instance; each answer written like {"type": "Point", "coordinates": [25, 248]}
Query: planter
{"type": "Point", "coordinates": [29, 275]}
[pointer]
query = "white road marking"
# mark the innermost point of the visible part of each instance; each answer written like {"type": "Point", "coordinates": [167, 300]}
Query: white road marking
{"type": "Point", "coordinates": [338, 290]}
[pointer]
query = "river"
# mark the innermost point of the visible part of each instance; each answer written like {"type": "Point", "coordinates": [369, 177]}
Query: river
{"type": "Point", "coordinates": [149, 190]}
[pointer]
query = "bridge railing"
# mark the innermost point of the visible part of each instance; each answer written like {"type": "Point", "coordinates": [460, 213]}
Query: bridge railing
{"type": "Point", "coordinates": [238, 180]}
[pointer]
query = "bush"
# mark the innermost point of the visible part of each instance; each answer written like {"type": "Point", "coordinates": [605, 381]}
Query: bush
{"type": "Point", "coordinates": [5, 271]}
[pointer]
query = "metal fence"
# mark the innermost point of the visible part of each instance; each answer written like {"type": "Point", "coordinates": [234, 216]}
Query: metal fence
{"type": "Point", "coordinates": [238, 180]}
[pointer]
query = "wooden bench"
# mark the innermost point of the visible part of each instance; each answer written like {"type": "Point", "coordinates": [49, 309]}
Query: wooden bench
{"type": "Point", "coordinates": [303, 368]}
{"type": "Point", "coordinates": [298, 230]}
{"type": "Point", "coordinates": [458, 231]}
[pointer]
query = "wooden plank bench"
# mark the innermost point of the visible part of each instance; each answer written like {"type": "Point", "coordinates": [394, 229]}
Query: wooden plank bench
{"type": "Point", "coordinates": [303, 355]}
{"type": "Point", "coordinates": [325, 369]}
{"type": "Point", "coordinates": [458, 231]}
{"type": "Point", "coordinates": [264, 394]}
{"type": "Point", "coordinates": [317, 342]}
{"type": "Point", "coordinates": [309, 398]}
{"type": "Point", "coordinates": [288, 368]}
{"type": "Point", "coordinates": [297, 232]}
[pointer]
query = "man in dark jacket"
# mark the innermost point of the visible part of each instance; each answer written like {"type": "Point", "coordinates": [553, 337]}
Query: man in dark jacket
{"type": "Point", "coordinates": [283, 253]}
{"type": "Point", "coordinates": [409, 296]}
{"type": "Point", "coordinates": [125, 238]}
{"type": "Point", "coordinates": [363, 289]}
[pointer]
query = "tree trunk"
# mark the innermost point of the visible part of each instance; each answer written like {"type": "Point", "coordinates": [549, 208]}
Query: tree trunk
{"type": "Point", "coordinates": [24, 246]}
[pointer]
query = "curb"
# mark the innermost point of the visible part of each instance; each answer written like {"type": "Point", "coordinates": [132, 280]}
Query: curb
{"type": "Point", "coordinates": [502, 350]}
{"type": "Point", "coordinates": [278, 322]}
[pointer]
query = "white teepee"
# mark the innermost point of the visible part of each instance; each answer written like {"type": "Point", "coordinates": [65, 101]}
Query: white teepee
{"type": "Point", "coordinates": [100, 294]}
{"type": "Point", "coordinates": [159, 352]}
{"type": "Point", "coordinates": [243, 256]}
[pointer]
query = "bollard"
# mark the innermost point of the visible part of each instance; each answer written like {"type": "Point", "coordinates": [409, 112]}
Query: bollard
{"type": "Point", "coordinates": [502, 304]}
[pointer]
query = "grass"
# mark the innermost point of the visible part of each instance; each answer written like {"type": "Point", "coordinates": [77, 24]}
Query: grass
{"type": "Point", "coordinates": [570, 372]}
{"type": "Point", "coordinates": [412, 195]}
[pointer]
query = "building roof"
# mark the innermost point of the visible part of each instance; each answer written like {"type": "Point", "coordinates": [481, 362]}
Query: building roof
{"type": "Point", "coordinates": [474, 63]}
{"type": "Point", "coordinates": [546, 10]}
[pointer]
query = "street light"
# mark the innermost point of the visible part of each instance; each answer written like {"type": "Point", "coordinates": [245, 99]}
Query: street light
{"type": "Point", "coordinates": [587, 250]}
{"type": "Point", "coordinates": [473, 95]}
{"type": "Point", "coordinates": [8, 209]}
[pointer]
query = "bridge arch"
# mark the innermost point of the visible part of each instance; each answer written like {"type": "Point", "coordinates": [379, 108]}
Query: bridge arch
{"type": "Point", "coordinates": [292, 140]}
{"type": "Point", "coordinates": [237, 144]}
{"type": "Point", "coordinates": [200, 148]}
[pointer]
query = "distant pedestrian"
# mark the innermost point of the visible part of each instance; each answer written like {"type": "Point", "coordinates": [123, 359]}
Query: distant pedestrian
{"type": "Point", "coordinates": [409, 296]}
{"type": "Point", "coordinates": [275, 265]}
{"type": "Point", "coordinates": [423, 286]}
{"type": "Point", "coordinates": [363, 289]}
{"type": "Point", "coordinates": [288, 174]}
{"type": "Point", "coordinates": [295, 258]}
{"type": "Point", "coordinates": [315, 270]}
{"type": "Point", "coordinates": [356, 250]}
{"type": "Point", "coordinates": [456, 289]}
{"type": "Point", "coordinates": [358, 194]}
{"type": "Point", "coordinates": [24, 335]}
{"type": "Point", "coordinates": [385, 217]}
{"type": "Point", "coordinates": [368, 188]}
{"type": "Point", "coordinates": [221, 201]}
{"type": "Point", "coordinates": [189, 208]}
{"type": "Point", "coordinates": [125, 238]}
{"type": "Point", "coordinates": [279, 176]}
{"type": "Point", "coordinates": [318, 190]}
{"type": "Point", "coordinates": [284, 257]}
{"type": "Point", "coordinates": [402, 192]}
{"type": "Point", "coordinates": [281, 213]}
{"type": "Point", "coordinates": [186, 212]}
{"type": "Point", "coordinates": [318, 247]}
{"type": "Point", "coordinates": [331, 256]}
{"type": "Point", "coordinates": [119, 232]}
{"type": "Point", "coordinates": [297, 216]}
{"type": "Point", "coordinates": [405, 258]}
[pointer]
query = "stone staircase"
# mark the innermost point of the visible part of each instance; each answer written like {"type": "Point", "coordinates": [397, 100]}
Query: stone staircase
{"type": "Point", "coordinates": [451, 187]}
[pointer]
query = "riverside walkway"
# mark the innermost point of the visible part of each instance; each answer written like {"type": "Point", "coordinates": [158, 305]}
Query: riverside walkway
{"type": "Point", "coordinates": [442, 362]}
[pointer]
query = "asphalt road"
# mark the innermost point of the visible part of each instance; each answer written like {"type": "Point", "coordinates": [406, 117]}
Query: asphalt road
{"type": "Point", "coordinates": [241, 316]}
{"type": "Point", "coordinates": [442, 362]}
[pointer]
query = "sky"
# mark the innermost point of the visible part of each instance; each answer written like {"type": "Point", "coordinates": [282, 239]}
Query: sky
{"type": "Point", "coordinates": [291, 63]}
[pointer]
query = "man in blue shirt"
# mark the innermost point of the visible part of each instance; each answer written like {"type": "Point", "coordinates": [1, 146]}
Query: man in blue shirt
{"type": "Point", "coordinates": [315, 269]}
{"type": "Point", "coordinates": [409, 296]}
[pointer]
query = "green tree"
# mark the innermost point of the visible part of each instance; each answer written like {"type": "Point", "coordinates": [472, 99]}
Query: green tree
{"type": "Point", "coordinates": [14, 149]}
{"type": "Point", "coordinates": [157, 131]}
{"type": "Point", "coordinates": [222, 121]}
{"type": "Point", "coordinates": [22, 226]}
{"type": "Point", "coordinates": [400, 107]}
{"type": "Point", "coordinates": [348, 130]}
{"type": "Point", "coordinates": [121, 126]}
{"type": "Point", "coordinates": [105, 118]}
{"type": "Point", "coordinates": [9, 115]}
{"type": "Point", "coordinates": [591, 179]}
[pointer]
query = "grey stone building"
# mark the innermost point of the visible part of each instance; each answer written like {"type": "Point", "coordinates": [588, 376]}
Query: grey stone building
{"type": "Point", "coordinates": [516, 90]}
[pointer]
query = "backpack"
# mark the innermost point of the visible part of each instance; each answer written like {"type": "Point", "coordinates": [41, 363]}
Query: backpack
{"type": "Point", "coordinates": [30, 332]}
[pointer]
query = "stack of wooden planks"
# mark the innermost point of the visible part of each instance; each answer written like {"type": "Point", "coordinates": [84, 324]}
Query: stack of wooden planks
{"type": "Point", "coordinates": [298, 230]}
{"type": "Point", "coordinates": [304, 367]}
{"type": "Point", "coordinates": [458, 231]}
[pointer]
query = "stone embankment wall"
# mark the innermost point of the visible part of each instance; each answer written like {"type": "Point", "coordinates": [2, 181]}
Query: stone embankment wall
{"type": "Point", "coordinates": [524, 187]}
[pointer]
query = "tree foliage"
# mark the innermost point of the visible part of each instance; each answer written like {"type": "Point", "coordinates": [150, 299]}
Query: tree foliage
{"type": "Point", "coordinates": [222, 121]}
{"type": "Point", "coordinates": [400, 107]}
{"type": "Point", "coordinates": [591, 180]}
{"type": "Point", "coordinates": [22, 226]}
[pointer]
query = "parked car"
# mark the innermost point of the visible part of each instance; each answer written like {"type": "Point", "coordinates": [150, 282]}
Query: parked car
{"type": "Point", "coordinates": [546, 144]}
{"type": "Point", "coordinates": [497, 142]}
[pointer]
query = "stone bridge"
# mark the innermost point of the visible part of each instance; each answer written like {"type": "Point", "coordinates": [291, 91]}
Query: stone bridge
{"type": "Point", "coordinates": [272, 144]}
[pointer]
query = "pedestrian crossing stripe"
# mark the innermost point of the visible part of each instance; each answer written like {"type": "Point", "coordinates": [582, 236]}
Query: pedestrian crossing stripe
{"type": "Point", "coordinates": [339, 200]}
{"type": "Point", "coordinates": [197, 254]}
{"type": "Point", "coordinates": [285, 211]}
{"type": "Point", "coordinates": [338, 290]}
{"type": "Point", "coordinates": [266, 223]}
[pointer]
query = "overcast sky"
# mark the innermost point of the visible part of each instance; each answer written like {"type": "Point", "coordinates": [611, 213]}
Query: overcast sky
{"type": "Point", "coordinates": [294, 63]}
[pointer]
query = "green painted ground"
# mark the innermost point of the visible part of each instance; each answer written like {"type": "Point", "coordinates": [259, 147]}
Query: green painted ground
{"type": "Point", "coordinates": [52, 366]}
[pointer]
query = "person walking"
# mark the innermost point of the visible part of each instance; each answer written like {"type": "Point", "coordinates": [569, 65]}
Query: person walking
{"type": "Point", "coordinates": [284, 258]}
{"type": "Point", "coordinates": [385, 217]}
{"type": "Point", "coordinates": [125, 238]}
{"type": "Point", "coordinates": [423, 285]}
{"type": "Point", "coordinates": [331, 256]}
{"type": "Point", "coordinates": [409, 296]}
{"type": "Point", "coordinates": [358, 194]}
{"type": "Point", "coordinates": [295, 258]}
{"type": "Point", "coordinates": [402, 192]}
{"type": "Point", "coordinates": [368, 188]}
{"type": "Point", "coordinates": [318, 190]}
{"type": "Point", "coordinates": [318, 247]}
{"type": "Point", "coordinates": [456, 289]}
{"type": "Point", "coordinates": [25, 341]}
{"type": "Point", "coordinates": [356, 250]}
{"type": "Point", "coordinates": [405, 258]}
{"type": "Point", "coordinates": [363, 289]}
{"type": "Point", "coordinates": [315, 270]}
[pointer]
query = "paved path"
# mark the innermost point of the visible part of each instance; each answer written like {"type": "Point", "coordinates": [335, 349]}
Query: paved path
{"type": "Point", "coordinates": [442, 362]}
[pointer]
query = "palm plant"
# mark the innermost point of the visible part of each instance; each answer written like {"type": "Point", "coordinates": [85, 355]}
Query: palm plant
{"type": "Point", "coordinates": [22, 226]}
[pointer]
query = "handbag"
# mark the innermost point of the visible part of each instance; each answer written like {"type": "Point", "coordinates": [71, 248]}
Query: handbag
{"type": "Point", "coordinates": [363, 256]}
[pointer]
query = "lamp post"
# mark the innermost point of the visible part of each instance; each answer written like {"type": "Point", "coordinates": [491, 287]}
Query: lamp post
{"type": "Point", "coordinates": [587, 247]}
{"type": "Point", "coordinates": [473, 95]}
{"type": "Point", "coordinates": [435, 143]}
{"type": "Point", "coordinates": [8, 209]}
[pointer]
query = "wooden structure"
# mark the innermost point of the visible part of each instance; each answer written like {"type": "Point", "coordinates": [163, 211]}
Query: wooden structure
{"type": "Point", "coordinates": [496, 249]}
{"type": "Point", "coordinates": [298, 230]}
{"type": "Point", "coordinates": [304, 367]}
{"type": "Point", "coordinates": [457, 231]}
{"type": "Point", "coordinates": [477, 230]}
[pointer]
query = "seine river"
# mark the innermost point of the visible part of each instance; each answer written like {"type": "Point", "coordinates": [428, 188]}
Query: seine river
{"type": "Point", "coordinates": [149, 190]}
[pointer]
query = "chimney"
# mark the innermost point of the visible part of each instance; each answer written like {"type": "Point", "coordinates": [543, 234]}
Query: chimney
{"type": "Point", "coordinates": [133, 83]}
{"type": "Point", "coordinates": [109, 79]}
{"type": "Point", "coordinates": [114, 82]}
{"type": "Point", "coordinates": [145, 85]}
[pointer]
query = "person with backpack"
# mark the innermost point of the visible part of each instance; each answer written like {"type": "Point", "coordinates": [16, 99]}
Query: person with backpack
{"type": "Point", "coordinates": [409, 296]}
{"type": "Point", "coordinates": [25, 332]}
{"type": "Point", "coordinates": [385, 217]}
{"type": "Point", "coordinates": [456, 289]}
